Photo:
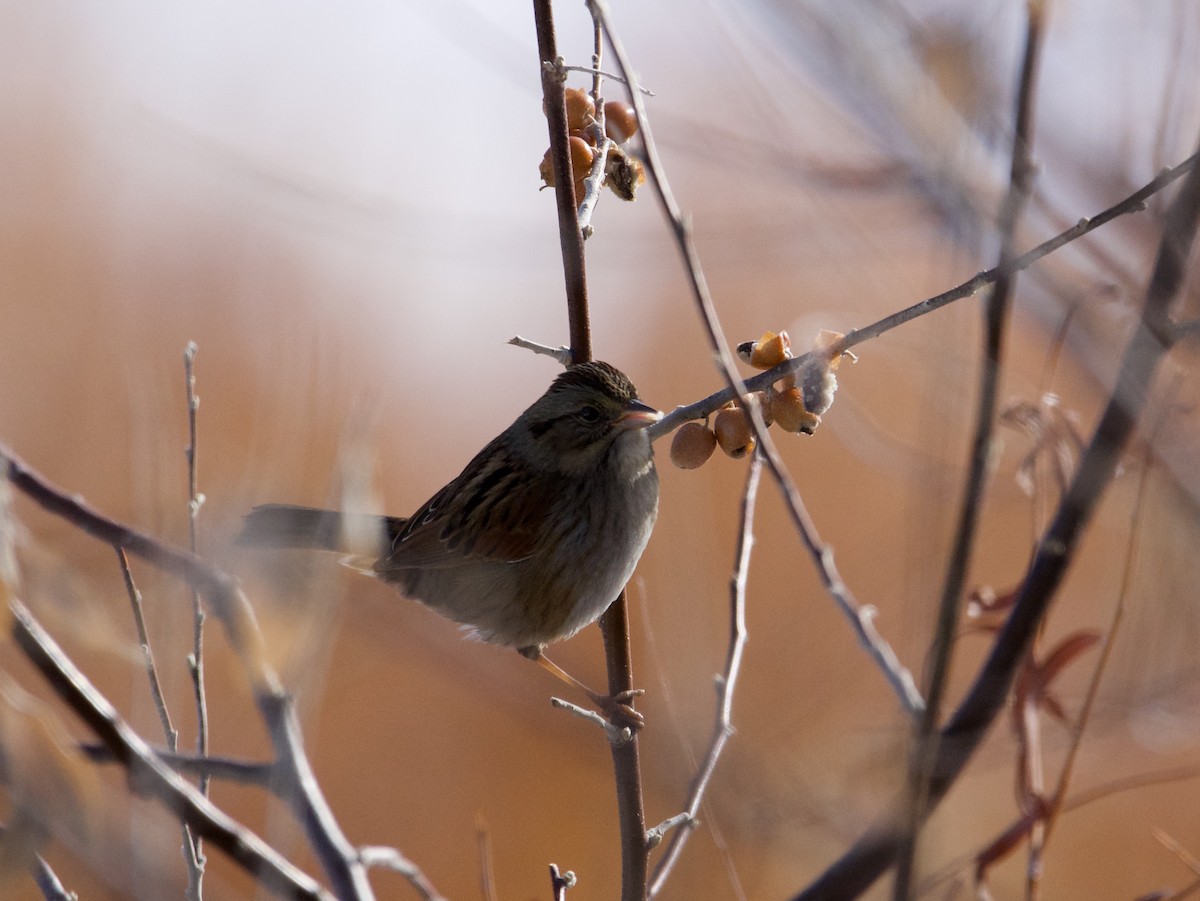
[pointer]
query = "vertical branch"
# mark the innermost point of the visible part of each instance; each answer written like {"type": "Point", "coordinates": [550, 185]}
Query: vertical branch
{"type": "Point", "coordinates": [193, 851]}
{"type": "Point", "coordinates": [996, 312]}
{"type": "Point", "coordinates": [614, 624]}
{"type": "Point", "coordinates": [723, 728]}
{"type": "Point", "coordinates": [569, 236]}
{"type": "Point", "coordinates": [170, 733]}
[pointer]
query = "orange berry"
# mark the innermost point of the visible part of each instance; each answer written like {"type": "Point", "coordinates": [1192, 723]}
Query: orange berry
{"type": "Point", "coordinates": [620, 121]}
{"type": "Point", "coordinates": [733, 432]}
{"type": "Point", "coordinates": [581, 158]}
{"type": "Point", "coordinates": [581, 163]}
{"type": "Point", "coordinates": [581, 111]}
{"type": "Point", "coordinates": [788, 409]}
{"type": "Point", "coordinates": [692, 445]}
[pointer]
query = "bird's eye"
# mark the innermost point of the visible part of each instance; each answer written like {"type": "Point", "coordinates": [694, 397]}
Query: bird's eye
{"type": "Point", "coordinates": [589, 413]}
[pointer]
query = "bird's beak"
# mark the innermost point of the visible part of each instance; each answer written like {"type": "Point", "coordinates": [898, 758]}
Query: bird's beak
{"type": "Point", "coordinates": [638, 415]}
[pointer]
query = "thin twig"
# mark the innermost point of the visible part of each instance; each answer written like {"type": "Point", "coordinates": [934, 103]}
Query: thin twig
{"type": "Point", "coordinates": [381, 857]}
{"type": "Point", "coordinates": [727, 681]}
{"type": "Point", "coordinates": [594, 182]}
{"type": "Point", "coordinates": [487, 872]}
{"type": "Point", "coordinates": [48, 882]}
{"type": "Point", "coordinates": [1090, 796]}
{"type": "Point", "coordinates": [995, 321]}
{"type": "Point", "coordinates": [560, 882]}
{"type": "Point", "coordinates": [229, 769]}
{"type": "Point", "coordinates": [655, 834]}
{"type": "Point", "coordinates": [150, 776]}
{"type": "Point", "coordinates": [860, 617]}
{"type": "Point", "coordinates": [872, 854]}
{"type": "Point", "coordinates": [1055, 804]}
{"type": "Point", "coordinates": [592, 186]}
{"type": "Point", "coordinates": [1134, 203]}
{"type": "Point", "coordinates": [616, 735]}
{"type": "Point", "coordinates": [193, 850]}
{"type": "Point", "coordinates": [593, 71]}
{"type": "Point", "coordinates": [139, 619]}
{"type": "Point", "coordinates": [561, 354]}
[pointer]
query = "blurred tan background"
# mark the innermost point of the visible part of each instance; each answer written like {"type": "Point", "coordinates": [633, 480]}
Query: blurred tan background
{"type": "Point", "coordinates": [339, 205]}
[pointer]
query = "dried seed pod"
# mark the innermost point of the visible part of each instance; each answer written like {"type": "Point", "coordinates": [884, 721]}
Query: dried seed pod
{"type": "Point", "coordinates": [581, 111]}
{"type": "Point", "coordinates": [620, 121]}
{"type": "Point", "coordinates": [692, 445]}
{"type": "Point", "coordinates": [790, 412]}
{"type": "Point", "coordinates": [770, 350]}
{"type": "Point", "coordinates": [825, 342]}
{"type": "Point", "coordinates": [623, 174]}
{"type": "Point", "coordinates": [733, 432]}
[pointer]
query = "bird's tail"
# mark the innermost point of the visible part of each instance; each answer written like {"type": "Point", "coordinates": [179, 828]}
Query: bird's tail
{"type": "Point", "coordinates": [289, 526]}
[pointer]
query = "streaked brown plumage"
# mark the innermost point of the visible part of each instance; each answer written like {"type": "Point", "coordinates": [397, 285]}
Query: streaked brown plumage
{"type": "Point", "coordinates": [537, 535]}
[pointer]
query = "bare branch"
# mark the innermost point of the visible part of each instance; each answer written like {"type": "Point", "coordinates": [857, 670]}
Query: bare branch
{"type": "Point", "coordinates": [135, 601]}
{"type": "Point", "coordinates": [335, 852]}
{"type": "Point", "coordinates": [996, 311]}
{"type": "Point", "coordinates": [560, 882]}
{"type": "Point", "coordinates": [616, 735]}
{"type": "Point", "coordinates": [230, 769]}
{"type": "Point", "coordinates": [897, 676]}
{"type": "Point", "coordinates": [726, 683]}
{"type": "Point", "coordinates": [381, 857]}
{"type": "Point", "coordinates": [150, 776]}
{"type": "Point", "coordinates": [1152, 338]}
{"type": "Point", "coordinates": [560, 353]}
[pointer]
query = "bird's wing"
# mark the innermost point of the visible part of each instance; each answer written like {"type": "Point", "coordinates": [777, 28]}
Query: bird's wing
{"type": "Point", "coordinates": [490, 512]}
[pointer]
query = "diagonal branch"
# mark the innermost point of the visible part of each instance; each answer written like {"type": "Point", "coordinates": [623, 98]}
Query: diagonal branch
{"type": "Point", "coordinates": [150, 776]}
{"type": "Point", "coordinates": [337, 856]}
{"type": "Point", "coordinates": [861, 617]}
{"type": "Point", "coordinates": [1152, 338]}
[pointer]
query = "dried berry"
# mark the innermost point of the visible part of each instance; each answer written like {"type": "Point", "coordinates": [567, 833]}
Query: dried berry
{"type": "Point", "coordinates": [770, 350]}
{"type": "Point", "coordinates": [733, 432]}
{"type": "Point", "coordinates": [620, 121]}
{"type": "Point", "coordinates": [790, 412]}
{"type": "Point", "coordinates": [581, 162]}
{"type": "Point", "coordinates": [581, 111]}
{"type": "Point", "coordinates": [692, 445]}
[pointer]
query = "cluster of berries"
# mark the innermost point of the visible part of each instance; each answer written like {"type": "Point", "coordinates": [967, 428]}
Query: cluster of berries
{"type": "Point", "coordinates": [795, 403]}
{"type": "Point", "coordinates": [622, 172]}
